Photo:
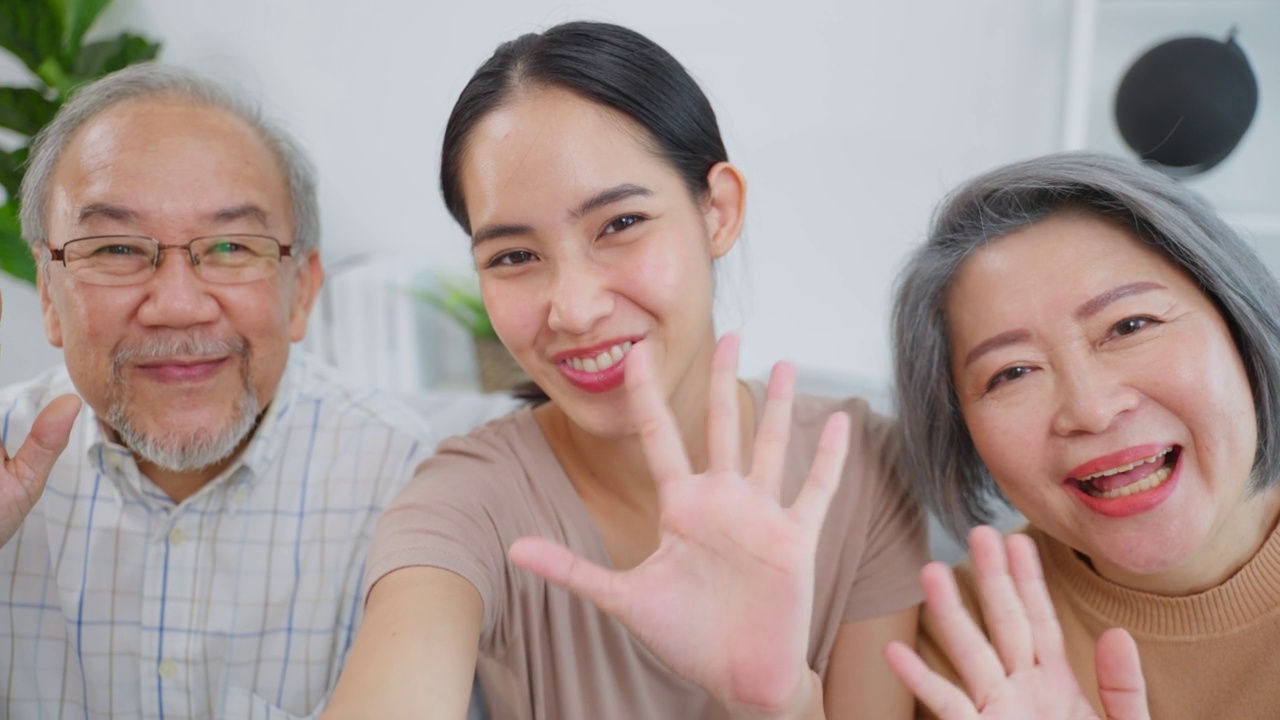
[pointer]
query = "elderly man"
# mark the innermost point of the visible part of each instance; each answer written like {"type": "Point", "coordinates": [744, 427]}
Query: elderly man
{"type": "Point", "coordinates": [198, 547]}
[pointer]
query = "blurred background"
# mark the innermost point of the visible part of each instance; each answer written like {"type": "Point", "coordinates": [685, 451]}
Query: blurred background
{"type": "Point", "coordinates": [850, 119]}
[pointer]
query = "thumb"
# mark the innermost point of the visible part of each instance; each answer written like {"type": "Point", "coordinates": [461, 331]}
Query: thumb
{"type": "Point", "coordinates": [1120, 683]}
{"type": "Point", "coordinates": [47, 439]}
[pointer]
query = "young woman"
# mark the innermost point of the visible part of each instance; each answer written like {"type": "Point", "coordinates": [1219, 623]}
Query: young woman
{"type": "Point", "coordinates": [1088, 340]}
{"type": "Point", "coordinates": [644, 543]}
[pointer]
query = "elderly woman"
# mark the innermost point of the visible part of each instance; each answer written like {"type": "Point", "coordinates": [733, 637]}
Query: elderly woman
{"type": "Point", "coordinates": [1088, 341]}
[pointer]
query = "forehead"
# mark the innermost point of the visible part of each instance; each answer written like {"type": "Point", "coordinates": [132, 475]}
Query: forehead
{"type": "Point", "coordinates": [549, 145]}
{"type": "Point", "coordinates": [168, 154]}
{"type": "Point", "coordinates": [1050, 268]}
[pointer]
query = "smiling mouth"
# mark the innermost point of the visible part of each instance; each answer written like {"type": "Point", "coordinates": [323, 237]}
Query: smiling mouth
{"type": "Point", "coordinates": [1135, 477]}
{"type": "Point", "coordinates": [601, 361]}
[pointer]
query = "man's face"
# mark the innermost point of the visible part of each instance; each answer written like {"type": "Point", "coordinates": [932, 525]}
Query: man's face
{"type": "Point", "coordinates": [180, 367]}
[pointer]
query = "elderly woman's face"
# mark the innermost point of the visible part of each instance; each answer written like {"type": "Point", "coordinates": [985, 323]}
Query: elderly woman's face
{"type": "Point", "coordinates": [1105, 394]}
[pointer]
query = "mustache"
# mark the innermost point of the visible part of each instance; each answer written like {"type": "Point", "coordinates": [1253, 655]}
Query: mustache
{"type": "Point", "coordinates": [159, 347]}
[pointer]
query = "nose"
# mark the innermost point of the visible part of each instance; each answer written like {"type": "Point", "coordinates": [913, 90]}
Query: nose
{"type": "Point", "coordinates": [579, 297]}
{"type": "Point", "coordinates": [1090, 399]}
{"type": "Point", "coordinates": [176, 296]}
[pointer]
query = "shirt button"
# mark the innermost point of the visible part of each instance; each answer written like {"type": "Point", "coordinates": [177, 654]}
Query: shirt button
{"type": "Point", "coordinates": [239, 495]}
{"type": "Point", "coordinates": [168, 668]}
{"type": "Point", "coordinates": [177, 536]}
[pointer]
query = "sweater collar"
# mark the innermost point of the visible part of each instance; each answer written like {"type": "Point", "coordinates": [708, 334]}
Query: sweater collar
{"type": "Point", "coordinates": [1253, 592]}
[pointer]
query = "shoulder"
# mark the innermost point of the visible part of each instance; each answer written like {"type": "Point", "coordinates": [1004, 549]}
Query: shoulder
{"type": "Point", "coordinates": [310, 383]}
{"type": "Point", "coordinates": [504, 447]}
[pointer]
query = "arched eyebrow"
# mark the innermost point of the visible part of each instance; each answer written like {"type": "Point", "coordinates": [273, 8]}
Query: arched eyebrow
{"type": "Point", "coordinates": [595, 202]}
{"type": "Point", "coordinates": [1096, 304]}
{"type": "Point", "coordinates": [611, 195]}
{"type": "Point", "coordinates": [1012, 337]}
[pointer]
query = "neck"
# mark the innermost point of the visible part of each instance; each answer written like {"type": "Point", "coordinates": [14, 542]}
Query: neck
{"type": "Point", "coordinates": [617, 467]}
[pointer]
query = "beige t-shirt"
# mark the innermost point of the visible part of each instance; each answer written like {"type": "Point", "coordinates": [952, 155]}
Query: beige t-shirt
{"type": "Point", "coordinates": [547, 654]}
{"type": "Point", "coordinates": [1214, 654]}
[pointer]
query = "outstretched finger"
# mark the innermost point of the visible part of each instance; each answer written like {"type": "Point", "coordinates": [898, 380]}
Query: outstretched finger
{"type": "Point", "coordinates": [770, 452]}
{"type": "Point", "coordinates": [1007, 622]}
{"type": "Point", "coordinates": [723, 421]}
{"type": "Point", "coordinates": [46, 441]}
{"type": "Point", "coordinates": [1121, 687]}
{"type": "Point", "coordinates": [561, 566]}
{"type": "Point", "coordinates": [964, 643]}
{"type": "Point", "coordinates": [811, 504]}
{"type": "Point", "coordinates": [944, 700]}
{"type": "Point", "coordinates": [1024, 565]}
{"type": "Point", "coordinates": [659, 435]}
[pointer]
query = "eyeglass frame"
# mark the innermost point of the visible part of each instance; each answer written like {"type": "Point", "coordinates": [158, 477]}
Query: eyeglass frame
{"type": "Point", "coordinates": [60, 254]}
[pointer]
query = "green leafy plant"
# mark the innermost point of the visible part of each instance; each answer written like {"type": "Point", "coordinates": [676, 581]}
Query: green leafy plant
{"type": "Point", "coordinates": [463, 304]}
{"type": "Point", "coordinates": [48, 36]}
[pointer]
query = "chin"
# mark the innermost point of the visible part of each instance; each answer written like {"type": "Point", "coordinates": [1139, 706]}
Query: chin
{"type": "Point", "coordinates": [1149, 553]}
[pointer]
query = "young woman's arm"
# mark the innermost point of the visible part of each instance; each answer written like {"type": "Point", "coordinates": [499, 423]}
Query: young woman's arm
{"type": "Point", "coordinates": [415, 654]}
{"type": "Point", "coordinates": [860, 683]}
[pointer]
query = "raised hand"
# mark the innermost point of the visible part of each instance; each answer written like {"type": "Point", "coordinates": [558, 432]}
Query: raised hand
{"type": "Point", "coordinates": [22, 476]}
{"type": "Point", "coordinates": [1022, 672]}
{"type": "Point", "coordinates": [726, 600]}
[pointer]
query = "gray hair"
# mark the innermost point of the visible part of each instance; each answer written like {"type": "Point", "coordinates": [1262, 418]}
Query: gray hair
{"type": "Point", "coordinates": [150, 80]}
{"type": "Point", "coordinates": [939, 458]}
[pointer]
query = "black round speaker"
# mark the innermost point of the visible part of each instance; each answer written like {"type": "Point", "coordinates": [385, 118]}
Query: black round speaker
{"type": "Point", "coordinates": [1185, 104]}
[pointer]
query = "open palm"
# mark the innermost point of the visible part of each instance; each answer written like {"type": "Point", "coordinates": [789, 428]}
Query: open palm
{"type": "Point", "coordinates": [726, 600]}
{"type": "Point", "coordinates": [1022, 671]}
{"type": "Point", "coordinates": [22, 476]}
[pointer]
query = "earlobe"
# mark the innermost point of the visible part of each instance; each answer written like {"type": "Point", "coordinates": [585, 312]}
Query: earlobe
{"type": "Point", "coordinates": [306, 287]}
{"type": "Point", "coordinates": [726, 206]}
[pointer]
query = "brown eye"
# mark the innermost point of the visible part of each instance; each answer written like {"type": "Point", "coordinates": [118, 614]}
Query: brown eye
{"type": "Point", "coordinates": [621, 223]}
{"type": "Point", "coordinates": [1129, 326]}
{"type": "Point", "coordinates": [515, 257]}
{"type": "Point", "coordinates": [1007, 375]}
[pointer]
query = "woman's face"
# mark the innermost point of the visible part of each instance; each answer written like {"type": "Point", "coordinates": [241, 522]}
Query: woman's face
{"type": "Point", "coordinates": [587, 243]}
{"type": "Point", "coordinates": [1108, 399]}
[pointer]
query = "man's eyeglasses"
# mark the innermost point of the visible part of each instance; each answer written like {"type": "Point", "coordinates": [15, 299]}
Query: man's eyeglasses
{"type": "Point", "coordinates": [131, 259]}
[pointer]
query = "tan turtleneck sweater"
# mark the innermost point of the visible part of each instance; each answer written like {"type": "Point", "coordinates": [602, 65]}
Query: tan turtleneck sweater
{"type": "Point", "coordinates": [1215, 654]}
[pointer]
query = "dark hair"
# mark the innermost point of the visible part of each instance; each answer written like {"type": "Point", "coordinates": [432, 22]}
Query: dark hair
{"type": "Point", "coordinates": [939, 458]}
{"type": "Point", "coordinates": [606, 64]}
{"type": "Point", "coordinates": [609, 65]}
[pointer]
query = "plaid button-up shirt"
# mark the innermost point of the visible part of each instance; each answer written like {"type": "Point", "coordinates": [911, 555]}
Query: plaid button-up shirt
{"type": "Point", "coordinates": [241, 601]}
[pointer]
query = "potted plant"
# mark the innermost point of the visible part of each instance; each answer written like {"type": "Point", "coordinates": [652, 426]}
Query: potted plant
{"type": "Point", "coordinates": [48, 36]}
{"type": "Point", "coordinates": [461, 302]}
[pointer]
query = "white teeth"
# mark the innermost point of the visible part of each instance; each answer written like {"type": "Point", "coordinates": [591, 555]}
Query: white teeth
{"type": "Point", "coordinates": [1153, 480]}
{"type": "Point", "coordinates": [603, 361]}
{"type": "Point", "coordinates": [1125, 468]}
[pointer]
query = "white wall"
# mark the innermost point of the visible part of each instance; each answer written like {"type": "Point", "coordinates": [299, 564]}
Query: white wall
{"type": "Point", "coordinates": [850, 119]}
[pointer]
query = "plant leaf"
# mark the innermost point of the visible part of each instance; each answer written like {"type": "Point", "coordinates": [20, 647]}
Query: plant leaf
{"type": "Point", "coordinates": [15, 254]}
{"type": "Point", "coordinates": [25, 110]}
{"type": "Point", "coordinates": [11, 171]}
{"type": "Point", "coordinates": [106, 56]}
{"type": "Point", "coordinates": [31, 30]}
{"type": "Point", "coordinates": [77, 17]}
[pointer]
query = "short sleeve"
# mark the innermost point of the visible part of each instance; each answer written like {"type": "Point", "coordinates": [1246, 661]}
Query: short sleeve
{"type": "Point", "coordinates": [896, 540]}
{"type": "Point", "coordinates": [451, 516]}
